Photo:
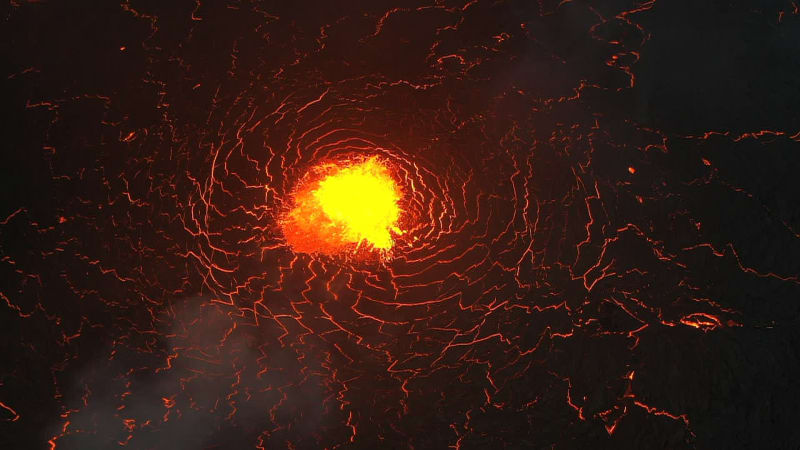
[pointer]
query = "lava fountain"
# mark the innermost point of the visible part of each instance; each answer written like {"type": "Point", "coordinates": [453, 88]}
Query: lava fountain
{"type": "Point", "coordinates": [344, 206]}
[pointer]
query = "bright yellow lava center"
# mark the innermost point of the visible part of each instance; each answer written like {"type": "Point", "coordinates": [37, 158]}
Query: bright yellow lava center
{"type": "Point", "coordinates": [363, 200]}
{"type": "Point", "coordinates": [352, 204]}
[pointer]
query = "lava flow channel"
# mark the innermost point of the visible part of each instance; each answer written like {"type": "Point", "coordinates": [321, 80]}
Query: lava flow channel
{"type": "Point", "coordinates": [344, 206]}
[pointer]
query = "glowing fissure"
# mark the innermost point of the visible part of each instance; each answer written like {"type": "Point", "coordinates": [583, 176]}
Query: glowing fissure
{"type": "Point", "coordinates": [351, 205]}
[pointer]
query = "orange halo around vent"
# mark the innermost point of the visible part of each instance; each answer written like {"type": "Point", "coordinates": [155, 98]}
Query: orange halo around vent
{"type": "Point", "coordinates": [344, 206]}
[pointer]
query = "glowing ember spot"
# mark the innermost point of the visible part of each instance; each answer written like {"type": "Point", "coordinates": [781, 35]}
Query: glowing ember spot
{"type": "Point", "coordinates": [341, 207]}
{"type": "Point", "coordinates": [701, 321]}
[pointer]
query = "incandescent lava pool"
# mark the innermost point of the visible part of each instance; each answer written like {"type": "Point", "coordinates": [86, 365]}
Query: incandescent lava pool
{"type": "Point", "coordinates": [463, 224]}
{"type": "Point", "coordinates": [341, 208]}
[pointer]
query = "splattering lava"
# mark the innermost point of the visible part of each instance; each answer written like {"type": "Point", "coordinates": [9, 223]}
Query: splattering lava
{"type": "Point", "coordinates": [583, 214]}
{"type": "Point", "coordinates": [340, 207]}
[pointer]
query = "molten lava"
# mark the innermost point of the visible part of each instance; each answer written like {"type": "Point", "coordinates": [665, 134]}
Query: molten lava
{"type": "Point", "coordinates": [345, 206]}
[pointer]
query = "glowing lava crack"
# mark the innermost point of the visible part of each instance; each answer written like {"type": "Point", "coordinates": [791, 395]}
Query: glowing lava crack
{"type": "Point", "coordinates": [344, 206]}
